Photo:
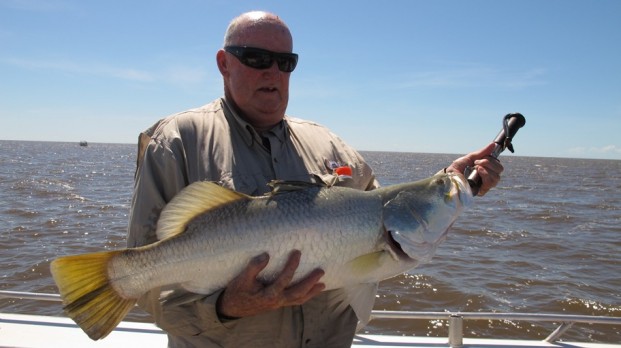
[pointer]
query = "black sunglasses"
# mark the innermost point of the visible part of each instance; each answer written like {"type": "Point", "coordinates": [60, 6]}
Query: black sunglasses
{"type": "Point", "coordinates": [259, 58]}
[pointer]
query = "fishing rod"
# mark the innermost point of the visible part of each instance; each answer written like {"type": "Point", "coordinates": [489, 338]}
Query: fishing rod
{"type": "Point", "coordinates": [511, 123]}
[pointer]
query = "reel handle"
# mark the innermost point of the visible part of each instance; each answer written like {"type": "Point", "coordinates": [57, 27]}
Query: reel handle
{"type": "Point", "coordinates": [511, 123]}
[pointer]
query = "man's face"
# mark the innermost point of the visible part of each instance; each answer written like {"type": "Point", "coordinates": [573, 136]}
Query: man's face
{"type": "Point", "coordinates": [261, 95]}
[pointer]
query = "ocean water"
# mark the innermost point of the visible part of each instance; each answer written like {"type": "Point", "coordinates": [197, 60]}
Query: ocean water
{"type": "Point", "coordinates": [546, 240]}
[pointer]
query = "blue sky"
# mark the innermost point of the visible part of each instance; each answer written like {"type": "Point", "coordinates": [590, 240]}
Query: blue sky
{"type": "Point", "coordinates": [413, 76]}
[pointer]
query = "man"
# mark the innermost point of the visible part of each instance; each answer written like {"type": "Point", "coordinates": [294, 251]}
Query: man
{"type": "Point", "coordinates": [243, 141]}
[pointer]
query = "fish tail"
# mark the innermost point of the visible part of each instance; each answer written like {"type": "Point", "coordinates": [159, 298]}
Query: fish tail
{"type": "Point", "coordinates": [88, 296]}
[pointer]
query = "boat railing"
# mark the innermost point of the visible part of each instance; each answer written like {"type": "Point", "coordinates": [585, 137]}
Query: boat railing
{"type": "Point", "coordinates": [30, 295]}
{"type": "Point", "coordinates": [455, 319]}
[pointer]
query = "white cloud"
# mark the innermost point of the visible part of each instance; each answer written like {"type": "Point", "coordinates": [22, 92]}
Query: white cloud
{"type": "Point", "coordinates": [83, 68]}
{"type": "Point", "coordinates": [183, 75]}
{"type": "Point", "coordinates": [186, 76]}
{"type": "Point", "coordinates": [476, 77]}
{"type": "Point", "coordinates": [614, 149]}
{"type": "Point", "coordinates": [606, 151]}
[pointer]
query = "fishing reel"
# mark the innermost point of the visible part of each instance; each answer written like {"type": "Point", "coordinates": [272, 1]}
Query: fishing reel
{"type": "Point", "coordinates": [511, 123]}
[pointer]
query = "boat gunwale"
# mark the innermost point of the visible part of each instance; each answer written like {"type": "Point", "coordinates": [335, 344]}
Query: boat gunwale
{"type": "Point", "coordinates": [455, 318]}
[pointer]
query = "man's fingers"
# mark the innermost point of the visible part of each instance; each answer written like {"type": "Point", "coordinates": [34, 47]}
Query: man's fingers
{"type": "Point", "coordinates": [485, 151]}
{"type": "Point", "coordinates": [297, 293]}
{"type": "Point", "coordinates": [286, 275]}
{"type": "Point", "coordinates": [246, 295]}
{"type": "Point", "coordinates": [491, 165]}
{"type": "Point", "coordinates": [248, 277]}
{"type": "Point", "coordinates": [305, 289]}
{"type": "Point", "coordinates": [469, 160]}
{"type": "Point", "coordinates": [489, 170]}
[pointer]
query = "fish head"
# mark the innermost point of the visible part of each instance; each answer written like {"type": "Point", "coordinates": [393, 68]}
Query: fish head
{"type": "Point", "coordinates": [419, 215]}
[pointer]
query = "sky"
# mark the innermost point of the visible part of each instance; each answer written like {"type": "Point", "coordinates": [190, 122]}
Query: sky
{"type": "Point", "coordinates": [404, 75]}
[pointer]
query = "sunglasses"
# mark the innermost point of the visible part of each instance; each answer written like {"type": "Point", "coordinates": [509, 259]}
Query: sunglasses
{"type": "Point", "coordinates": [258, 58]}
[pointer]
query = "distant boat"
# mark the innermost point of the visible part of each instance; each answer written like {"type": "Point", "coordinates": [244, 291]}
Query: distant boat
{"type": "Point", "coordinates": [83, 143]}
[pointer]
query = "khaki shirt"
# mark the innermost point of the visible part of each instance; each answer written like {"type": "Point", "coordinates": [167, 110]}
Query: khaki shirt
{"type": "Point", "coordinates": [213, 143]}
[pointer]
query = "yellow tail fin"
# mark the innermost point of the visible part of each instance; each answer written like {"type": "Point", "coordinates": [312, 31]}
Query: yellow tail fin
{"type": "Point", "coordinates": [87, 294]}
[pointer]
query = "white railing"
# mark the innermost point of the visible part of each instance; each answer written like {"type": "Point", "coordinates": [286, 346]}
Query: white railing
{"type": "Point", "coordinates": [30, 296]}
{"type": "Point", "coordinates": [455, 319]}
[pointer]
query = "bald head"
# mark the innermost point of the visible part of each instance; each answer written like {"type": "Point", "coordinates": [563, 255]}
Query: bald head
{"type": "Point", "coordinates": [243, 29]}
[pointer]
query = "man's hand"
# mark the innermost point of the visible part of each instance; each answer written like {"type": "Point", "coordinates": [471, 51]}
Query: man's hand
{"type": "Point", "coordinates": [488, 167]}
{"type": "Point", "coordinates": [245, 295]}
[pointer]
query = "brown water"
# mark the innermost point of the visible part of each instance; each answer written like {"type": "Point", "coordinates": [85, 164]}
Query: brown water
{"type": "Point", "coordinates": [547, 240]}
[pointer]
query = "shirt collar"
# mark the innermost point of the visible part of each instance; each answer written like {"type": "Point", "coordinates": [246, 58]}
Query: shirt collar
{"type": "Point", "coordinates": [248, 133]}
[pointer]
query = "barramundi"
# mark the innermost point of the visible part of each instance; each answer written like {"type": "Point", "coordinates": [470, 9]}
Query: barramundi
{"type": "Point", "coordinates": [207, 234]}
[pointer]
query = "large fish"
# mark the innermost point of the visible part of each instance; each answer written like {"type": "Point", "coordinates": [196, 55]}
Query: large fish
{"type": "Point", "coordinates": [207, 235]}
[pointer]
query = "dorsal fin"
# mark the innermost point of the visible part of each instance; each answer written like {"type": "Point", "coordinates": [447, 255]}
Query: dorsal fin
{"type": "Point", "coordinates": [282, 186]}
{"type": "Point", "coordinates": [195, 199]}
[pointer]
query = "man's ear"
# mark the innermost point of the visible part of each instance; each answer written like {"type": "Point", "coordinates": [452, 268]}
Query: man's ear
{"type": "Point", "coordinates": [222, 62]}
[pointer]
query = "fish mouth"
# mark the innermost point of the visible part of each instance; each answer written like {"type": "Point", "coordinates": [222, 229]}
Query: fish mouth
{"type": "Point", "coordinates": [395, 248]}
{"type": "Point", "coordinates": [461, 188]}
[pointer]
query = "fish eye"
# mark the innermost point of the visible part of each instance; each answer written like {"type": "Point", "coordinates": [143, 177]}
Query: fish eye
{"type": "Point", "coordinates": [439, 181]}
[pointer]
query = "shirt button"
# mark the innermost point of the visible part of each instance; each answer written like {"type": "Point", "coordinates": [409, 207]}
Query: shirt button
{"type": "Point", "coordinates": [275, 160]}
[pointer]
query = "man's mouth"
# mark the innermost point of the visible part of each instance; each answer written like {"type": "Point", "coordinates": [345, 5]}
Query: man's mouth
{"type": "Point", "coordinates": [268, 89]}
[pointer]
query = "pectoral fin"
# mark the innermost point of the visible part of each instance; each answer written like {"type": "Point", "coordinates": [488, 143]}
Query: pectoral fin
{"type": "Point", "coordinates": [179, 297]}
{"type": "Point", "coordinates": [367, 263]}
{"type": "Point", "coordinates": [362, 301]}
{"type": "Point", "coordinates": [361, 298]}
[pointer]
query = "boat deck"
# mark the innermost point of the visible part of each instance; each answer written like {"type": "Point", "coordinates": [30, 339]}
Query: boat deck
{"type": "Point", "coordinates": [32, 331]}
